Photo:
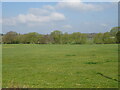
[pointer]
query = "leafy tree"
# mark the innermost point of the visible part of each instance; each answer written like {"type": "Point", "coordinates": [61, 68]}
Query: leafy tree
{"type": "Point", "coordinates": [65, 38]}
{"type": "Point", "coordinates": [118, 37]}
{"type": "Point", "coordinates": [107, 38]}
{"type": "Point", "coordinates": [98, 38]}
{"type": "Point", "coordinates": [78, 38]}
{"type": "Point", "coordinates": [45, 39]}
{"type": "Point", "coordinates": [57, 37]}
{"type": "Point", "coordinates": [10, 37]}
{"type": "Point", "coordinates": [114, 31]}
{"type": "Point", "coordinates": [83, 38]}
{"type": "Point", "coordinates": [30, 38]}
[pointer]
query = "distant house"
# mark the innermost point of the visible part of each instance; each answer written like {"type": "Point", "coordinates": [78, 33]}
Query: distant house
{"type": "Point", "coordinates": [90, 35]}
{"type": "Point", "coordinates": [112, 37]}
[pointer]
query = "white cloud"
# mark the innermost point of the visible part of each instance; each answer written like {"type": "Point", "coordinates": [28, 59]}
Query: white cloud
{"type": "Point", "coordinates": [48, 7]}
{"type": "Point", "coordinates": [57, 16]}
{"type": "Point", "coordinates": [35, 15]}
{"type": "Point", "coordinates": [104, 25]}
{"type": "Point", "coordinates": [67, 26]}
{"type": "Point", "coordinates": [49, 13]}
{"type": "Point", "coordinates": [78, 5]}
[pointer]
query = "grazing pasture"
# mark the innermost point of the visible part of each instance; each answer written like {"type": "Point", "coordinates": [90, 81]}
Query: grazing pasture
{"type": "Point", "coordinates": [60, 66]}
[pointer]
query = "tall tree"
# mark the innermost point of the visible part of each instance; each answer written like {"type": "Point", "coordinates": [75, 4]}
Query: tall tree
{"type": "Point", "coordinates": [57, 37]}
{"type": "Point", "coordinates": [98, 38]}
{"type": "Point", "coordinates": [45, 39]}
{"type": "Point", "coordinates": [114, 31]}
{"type": "Point", "coordinates": [10, 37]}
{"type": "Point", "coordinates": [108, 39]}
{"type": "Point", "coordinates": [118, 37]}
{"type": "Point", "coordinates": [65, 38]}
{"type": "Point", "coordinates": [78, 38]}
{"type": "Point", "coordinates": [32, 38]}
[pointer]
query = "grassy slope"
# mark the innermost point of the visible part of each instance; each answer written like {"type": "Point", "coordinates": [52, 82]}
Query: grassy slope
{"type": "Point", "coordinates": [56, 66]}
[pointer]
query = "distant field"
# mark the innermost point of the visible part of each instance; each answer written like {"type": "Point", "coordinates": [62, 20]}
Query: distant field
{"type": "Point", "coordinates": [56, 66]}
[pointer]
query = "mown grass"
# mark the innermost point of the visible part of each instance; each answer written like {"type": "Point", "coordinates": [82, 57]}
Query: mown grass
{"type": "Point", "coordinates": [60, 66]}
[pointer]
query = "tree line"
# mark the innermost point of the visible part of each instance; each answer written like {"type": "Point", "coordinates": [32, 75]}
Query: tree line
{"type": "Point", "coordinates": [58, 37]}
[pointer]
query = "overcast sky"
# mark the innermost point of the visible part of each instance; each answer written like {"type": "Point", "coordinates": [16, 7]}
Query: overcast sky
{"type": "Point", "coordinates": [44, 17]}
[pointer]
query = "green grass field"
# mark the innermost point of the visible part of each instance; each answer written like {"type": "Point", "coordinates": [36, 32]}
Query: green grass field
{"type": "Point", "coordinates": [60, 66]}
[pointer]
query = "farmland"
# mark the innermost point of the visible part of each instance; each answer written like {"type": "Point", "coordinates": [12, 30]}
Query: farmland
{"type": "Point", "coordinates": [60, 66]}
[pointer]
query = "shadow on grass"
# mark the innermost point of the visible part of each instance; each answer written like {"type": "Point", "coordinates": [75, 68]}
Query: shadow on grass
{"type": "Point", "coordinates": [92, 62]}
{"type": "Point", "coordinates": [107, 77]}
{"type": "Point", "coordinates": [70, 55]}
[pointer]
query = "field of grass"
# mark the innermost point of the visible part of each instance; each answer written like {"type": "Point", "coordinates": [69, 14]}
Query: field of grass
{"type": "Point", "coordinates": [60, 66]}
